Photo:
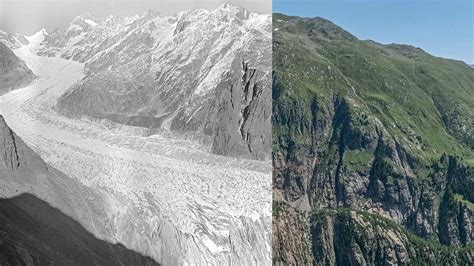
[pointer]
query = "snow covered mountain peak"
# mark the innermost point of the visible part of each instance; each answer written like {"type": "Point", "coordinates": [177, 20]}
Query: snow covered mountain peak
{"type": "Point", "coordinates": [238, 11]}
{"type": "Point", "coordinates": [38, 37]}
{"type": "Point", "coordinates": [229, 6]}
{"type": "Point", "coordinates": [84, 21]}
{"type": "Point", "coordinates": [169, 67]}
{"type": "Point", "coordinates": [41, 33]}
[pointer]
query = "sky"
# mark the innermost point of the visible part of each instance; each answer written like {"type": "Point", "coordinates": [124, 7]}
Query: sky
{"type": "Point", "coordinates": [441, 28]}
{"type": "Point", "coordinates": [29, 16]}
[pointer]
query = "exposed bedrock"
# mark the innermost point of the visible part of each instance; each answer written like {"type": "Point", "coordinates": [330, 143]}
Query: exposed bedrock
{"type": "Point", "coordinates": [373, 143]}
{"type": "Point", "coordinates": [13, 71]}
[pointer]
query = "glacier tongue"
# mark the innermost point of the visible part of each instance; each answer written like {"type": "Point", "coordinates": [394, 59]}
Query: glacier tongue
{"type": "Point", "coordinates": [166, 197]}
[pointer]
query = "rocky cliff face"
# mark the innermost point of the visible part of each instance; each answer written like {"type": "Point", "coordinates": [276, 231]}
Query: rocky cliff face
{"type": "Point", "coordinates": [291, 241]}
{"type": "Point", "coordinates": [363, 126]}
{"type": "Point", "coordinates": [348, 237]}
{"type": "Point", "coordinates": [202, 74]}
{"type": "Point", "coordinates": [236, 119]}
{"type": "Point", "coordinates": [47, 217]}
{"type": "Point", "coordinates": [13, 71]}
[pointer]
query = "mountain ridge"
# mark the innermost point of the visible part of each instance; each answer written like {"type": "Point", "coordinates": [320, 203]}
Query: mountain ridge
{"type": "Point", "coordinates": [178, 69]}
{"type": "Point", "coordinates": [383, 129]}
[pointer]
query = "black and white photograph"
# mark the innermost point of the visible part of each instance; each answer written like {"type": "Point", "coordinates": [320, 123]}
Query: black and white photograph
{"type": "Point", "coordinates": [135, 132]}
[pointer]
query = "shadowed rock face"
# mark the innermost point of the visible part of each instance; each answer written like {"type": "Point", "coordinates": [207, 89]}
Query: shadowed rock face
{"type": "Point", "coordinates": [34, 233]}
{"type": "Point", "coordinates": [202, 74]}
{"type": "Point", "coordinates": [41, 227]}
{"type": "Point", "coordinates": [374, 128]}
{"type": "Point", "coordinates": [13, 72]}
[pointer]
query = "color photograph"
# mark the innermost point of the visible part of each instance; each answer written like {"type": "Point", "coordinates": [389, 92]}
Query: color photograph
{"type": "Point", "coordinates": [373, 133]}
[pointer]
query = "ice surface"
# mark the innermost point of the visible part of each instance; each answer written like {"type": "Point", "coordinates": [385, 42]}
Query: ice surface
{"type": "Point", "coordinates": [167, 198]}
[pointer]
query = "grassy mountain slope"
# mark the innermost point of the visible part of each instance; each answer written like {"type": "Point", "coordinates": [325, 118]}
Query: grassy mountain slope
{"type": "Point", "coordinates": [425, 101]}
{"type": "Point", "coordinates": [385, 129]}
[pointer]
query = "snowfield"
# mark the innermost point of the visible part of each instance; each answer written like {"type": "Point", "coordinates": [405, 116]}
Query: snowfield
{"type": "Point", "coordinates": [167, 198]}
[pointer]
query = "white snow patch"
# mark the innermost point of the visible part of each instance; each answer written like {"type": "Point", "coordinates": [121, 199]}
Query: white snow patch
{"type": "Point", "coordinates": [211, 246]}
{"type": "Point", "coordinates": [37, 38]}
{"type": "Point", "coordinates": [90, 22]}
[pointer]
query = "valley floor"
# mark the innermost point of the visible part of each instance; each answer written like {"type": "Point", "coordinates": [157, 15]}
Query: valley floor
{"type": "Point", "coordinates": [213, 208]}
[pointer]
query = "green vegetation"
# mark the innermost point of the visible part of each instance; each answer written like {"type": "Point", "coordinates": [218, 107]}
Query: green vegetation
{"type": "Point", "coordinates": [460, 198]}
{"type": "Point", "coordinates": [347, 111]}
{"type": "Point", "coordinates": [358, 157]}
{"type": "Point", "coordinates": [277, 208]}
{"type": "Point", "coordinates": [426, 102]}
{"type": "Point", "coordinates": [357, 223]}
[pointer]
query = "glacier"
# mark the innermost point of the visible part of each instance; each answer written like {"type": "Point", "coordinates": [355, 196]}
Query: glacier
{"type": "Point", "coordinates": [169, 198]}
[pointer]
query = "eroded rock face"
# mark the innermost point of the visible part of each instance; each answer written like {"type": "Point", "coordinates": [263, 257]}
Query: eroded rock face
{"type": "Point", "coordinates": [385, 181]}
{"type": "Point", "coordinates": [340, 144]}
{"type": "Point", "coordinates": [348, 237]}
{"type": "Point", "coordinates": [236, 119]}
{"type": "Point", "coordinates": [291, 242]}
{"type": "Point", "coordinates": [13, 71]}
{"type": "Point", "coordinates": [202, 74]}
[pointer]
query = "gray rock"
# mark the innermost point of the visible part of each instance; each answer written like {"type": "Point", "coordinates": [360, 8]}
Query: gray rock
{"type": "Point", "coordinates": [13, 71]}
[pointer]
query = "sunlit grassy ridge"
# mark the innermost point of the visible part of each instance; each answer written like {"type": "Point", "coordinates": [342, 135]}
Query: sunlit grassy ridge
{"type": "Point", "coordinates": [425, 102]}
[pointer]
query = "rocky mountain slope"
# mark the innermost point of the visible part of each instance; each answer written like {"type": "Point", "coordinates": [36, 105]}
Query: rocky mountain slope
{"type": "Point", "coordinates": [13, 71]}
{"type": "Point", "coordinates": [40, 209]}
{"type": "Point", "coordinates": [34, 233]}
{"type": "Point", "coordinates": [12, 40]}
{"type": "Point", "coordinates": [202, 74]}
{"type": "Point", "coordinates": [369, 136]}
